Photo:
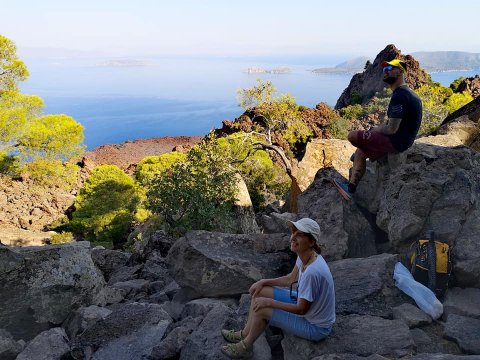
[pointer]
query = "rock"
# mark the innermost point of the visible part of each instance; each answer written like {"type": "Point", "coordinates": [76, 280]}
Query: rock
{"type": "Point", "coordinates": [13, 236]}
{"type": "Point", "coordinates": [423, 342]}
{"type": "Point", "coordinates": [245, 216]}
{"type": "Point", "coordinates": [81, 319]}
{"type": "Point", "coordinates": [28, 206]}
{"type": "Point", "coordinates": [445, 357]}
{"type": "Point", "coordinates": [9, 348]}
{"type": "Point", "coordinates": [465, 332]}
{"type": "Point", "coordinates": [319, 154]}
{"type": "Point", "coordinates": [465, 302]}
{"type": "Point", "coordinates": [411, 315]}
{"type": "Point", "coordinates": [125, 273]}
{"type": "Point", "coordinates": [153, 241]}
{"type": "Point", "coordinates": [460, 131]}
{"type": "Point", "coordinates": [354, 334]}
{"type": "Point", "coordinates": [274, 223]}
{"type": "Point", "coordinates": [336, 219]}
{"type": "Point", "coordinates": [48, 345]}
{"type": "Point", "coordinates": [128, 333]}
{"type": "Point", "coordinates": [365, 286]}
{"type": "Point", "coordinates": [109, 261]}
{"type": "Point", "coordinates": [133, 287]}
{"type": "Point", "coordinates": [363, 86]}
{"type": "Point", "coordinates": [348, 357]}
{"type": "Point", "coordinates": [44, 284]}
{"type": "Point", "coordinates": [204, 343]}
{"type": "Point", "coordinates": [471, 85]}
{"type": "Point", "coordinates": [205, 263]}
{"type": "Point", "coordinates": [109, 295]}
{"type": "Point", "coordinates": [200, 307]}
{"type": "Point", "coordinates": [172, 344]}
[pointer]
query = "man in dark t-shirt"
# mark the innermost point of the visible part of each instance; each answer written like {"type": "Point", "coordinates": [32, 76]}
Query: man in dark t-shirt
{"type": "Point", "coordinates": [397, 135]}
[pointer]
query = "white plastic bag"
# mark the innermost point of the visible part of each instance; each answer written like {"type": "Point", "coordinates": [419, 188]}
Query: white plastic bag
{"type": "Point", "coordinates": [423, 296]}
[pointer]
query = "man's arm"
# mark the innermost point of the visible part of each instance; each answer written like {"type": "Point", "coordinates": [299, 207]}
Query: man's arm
{"type": "Point", "coordinates": [390, 128]}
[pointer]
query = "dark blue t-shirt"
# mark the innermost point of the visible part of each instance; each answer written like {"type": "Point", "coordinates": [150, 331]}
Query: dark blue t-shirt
{"type": "Point", "coordinates": [405, 105]}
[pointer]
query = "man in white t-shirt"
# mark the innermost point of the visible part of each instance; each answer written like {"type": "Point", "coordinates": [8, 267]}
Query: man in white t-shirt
{"type": "Point", "coordinates": [308, 311]}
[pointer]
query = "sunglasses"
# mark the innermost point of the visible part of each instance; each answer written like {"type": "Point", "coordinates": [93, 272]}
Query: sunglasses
{"type": "Point", "coordinates": [388, 68]}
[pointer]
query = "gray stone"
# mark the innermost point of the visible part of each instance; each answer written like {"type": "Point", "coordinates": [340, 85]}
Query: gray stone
{"type": "Point", "coordinates": [445, 357]}
{"type": "Point", "coordinates": [345, 229]}
{"type": "Point", "coordinates": [464, 331]}
{"type": "Point", "coordinates": [109, 295]}
{"type": "Point", "coordinates": [48, 345]}
{"type": "Point", "coordinates": [133, 287]}
{"type": "Point", "coordinates": [216, 264]}
{"type": "Point", "coordinates": [83, 318]}
{"type": "Point", "coordinates": [411, 315]}
{"type": "Point", "coordinates": [47, 284]}
{"type": "Point", "coordinates": [109, 260]}
{"type": "Point", "coordinates": [200, 307]}
{"type": "Point", "coordinates": [354, 334]}
{"type": "Point", "coordinates": [276, 223]}
{"type": "Point", "coordinates": [9, 348]}
{"type": "Point", "coordinates": [348, 357]}
{"type": "Point", "coordinates": [464, 302]}
{"type": "Point", "coordinates": [125, 273]}
{"type": "Point", "coordinates": [171, 345]}
{"type": "Point", "coordinates": [128, 333]}
{"type": "Point", "coordinates": [424, 343]}
{"type": "Point", "coordinates": [365, 286]}
{"type": "Point", "coordinates": [204, 343]}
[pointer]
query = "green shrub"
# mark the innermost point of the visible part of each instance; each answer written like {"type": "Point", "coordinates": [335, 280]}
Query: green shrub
{"type": "Point", "coordinates": [265, 180]}
{"type": "Point", "coordinates": [51, 173]}
{"type": "Point", "coordinates": [455, 83]}
{"type": "Point", "coordinates": [198, 193]}
{"type": "Point", "coordinates": [339, 128]}
{"type": "Point", "coordinates": [106, 205]}
{"type": "Point", "coordinates": [61, 238]}
{"type": "Point", "coordinates": [152, 165]}
{"type": "Point", "coordinates": [456, 101]}
{"type": "Point", "coordinates": [353, 112]}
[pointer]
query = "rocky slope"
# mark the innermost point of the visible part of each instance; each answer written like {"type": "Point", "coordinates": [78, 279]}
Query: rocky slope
{"type": "Point", "coordinates": [128, 154]}
{"type": "Point", "coordinates": [363, 86]}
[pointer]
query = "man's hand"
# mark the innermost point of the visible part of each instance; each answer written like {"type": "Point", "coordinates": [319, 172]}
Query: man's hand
{"type": "Point", "coordinates": [261, 302]}
{"type": "Point", "coordinates": [256, 288]}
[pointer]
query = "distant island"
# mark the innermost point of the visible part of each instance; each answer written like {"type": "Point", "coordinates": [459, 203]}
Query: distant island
{"type": "Point", "coordinates": [258, 70]}
{"type": "Point", "coordinates": [431, 61]}
{"type": "Point", "coordinates": [438, 61]}
{"type": "Point", "coordinates": [347, 67]}
{"type": "Point", "coordinates": [122, 63]}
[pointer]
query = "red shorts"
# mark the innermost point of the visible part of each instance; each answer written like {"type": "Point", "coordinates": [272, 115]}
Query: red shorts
{"type": "Point", "coordinates": [374, 144]}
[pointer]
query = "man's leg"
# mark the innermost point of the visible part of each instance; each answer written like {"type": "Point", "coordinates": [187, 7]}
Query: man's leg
{"type": "Point", "coordinates": [358, 170]}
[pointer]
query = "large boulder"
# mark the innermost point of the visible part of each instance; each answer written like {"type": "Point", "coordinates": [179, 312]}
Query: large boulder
{"type": "Point", "coordinates": [9, 348]}
{"type": "Point", "coordinates": [433, 184]}
{"type": "Point", "coordinates": [319, 154]}
{"type": "Point", "coordinates": [48, 345]}
{"type": "Point", "coordinates": [217, 264]}
{"type": "Point", "coordinates": [40, 286]}
{"type": "Point", "coordinates": [365, 286]}
{"type": "Point", "coordinates": [346, 232]}
{"type": "Point", "coordinates": [130, 332]}
{"type": "Point", "coordinates": [465, 332]}
{"type": "Point", "coordinates": [355, 334]}
{"type": "Point", "coordinates": [204, 343]}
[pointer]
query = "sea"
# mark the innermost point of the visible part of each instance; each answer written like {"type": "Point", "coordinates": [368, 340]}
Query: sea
{"type": "Point", "coordinates": [117, 101]}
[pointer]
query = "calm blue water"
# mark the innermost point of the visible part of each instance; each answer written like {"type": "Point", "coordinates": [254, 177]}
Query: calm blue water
{"type": "Point", "coordinates": [169, 97]}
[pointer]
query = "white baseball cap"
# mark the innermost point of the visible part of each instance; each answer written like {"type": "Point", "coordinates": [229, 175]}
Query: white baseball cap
{"type": "Point", "coordinates": [308, 226]}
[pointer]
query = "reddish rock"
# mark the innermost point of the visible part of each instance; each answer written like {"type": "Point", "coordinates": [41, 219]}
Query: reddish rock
{"type": "Point", "coordinates": [471, 85]}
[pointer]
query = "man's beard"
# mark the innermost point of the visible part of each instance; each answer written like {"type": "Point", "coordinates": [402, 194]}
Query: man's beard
{"type": "Point", "coordinates": [389, 80]}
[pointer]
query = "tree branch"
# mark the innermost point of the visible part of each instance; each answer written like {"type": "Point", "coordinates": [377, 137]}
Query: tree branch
{"type": "Point", "coordinates": [279, 151]}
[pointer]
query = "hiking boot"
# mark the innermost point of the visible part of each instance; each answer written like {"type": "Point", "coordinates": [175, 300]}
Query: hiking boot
{"type": "Point", "coordinates": [342, 188]}
{"type": "Point", "coordinates": [237, 351]}
{"type": "Point", "coordinates": [232, 336]}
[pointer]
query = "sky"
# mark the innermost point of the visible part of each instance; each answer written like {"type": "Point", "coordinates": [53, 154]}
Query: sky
{"type": "Point", "coordinates": [241, 28]}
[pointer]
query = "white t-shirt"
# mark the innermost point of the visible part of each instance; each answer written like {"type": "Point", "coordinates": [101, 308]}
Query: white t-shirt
{"type": "Point", "coordinates": [316, 286]}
